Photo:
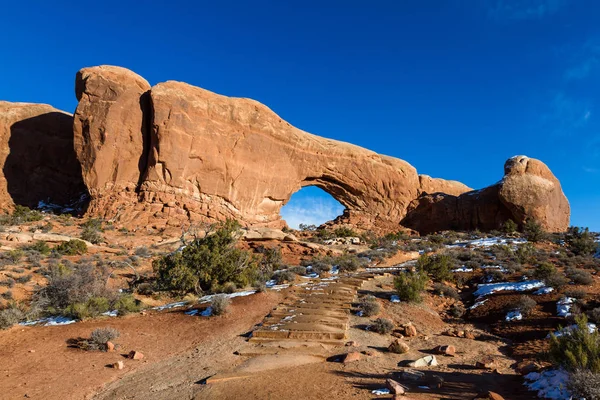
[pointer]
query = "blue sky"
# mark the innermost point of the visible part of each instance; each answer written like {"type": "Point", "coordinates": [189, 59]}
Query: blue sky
{"type": "Point", "coordinates": [453, 87]}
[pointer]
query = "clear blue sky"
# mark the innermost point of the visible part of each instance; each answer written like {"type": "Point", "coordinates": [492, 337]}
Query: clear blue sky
{"type": "Point", "coordinates": [453, 87]}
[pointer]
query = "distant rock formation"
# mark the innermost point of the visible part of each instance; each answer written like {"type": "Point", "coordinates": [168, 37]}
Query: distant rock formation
{"type": "Point", "coordinates": [528, 190]}
{"type": "Point", "coordinates": [175, 153]}
{"type": "Point", "coordinates": [37, 159]}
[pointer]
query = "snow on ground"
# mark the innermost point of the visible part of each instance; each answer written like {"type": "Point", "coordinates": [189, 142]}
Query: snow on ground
{"type": "Point", "coordinates": [514, 316]}
{"type": "Point", "coordinates": [51, 321]}
{"type": "Point", "coordinates": [550, 384]}
{"type": "Point", "coordinates": [381, 392]}
{"type": "Point", "coordinates": [487, 242]}
{"type": "Point", "coordinates": [170, 306]}
{"type": "Point", "coordinates": [486, 289]}
{"type": "Point", "coordinates": [463, 269]}
{"type": "Point", "coordinates": [563, 306]}
{"type": "Point", "coordinates": [567, 331]}
{"type": "Point", "coordinates": [477, 304]}
{"type": "Point", "coordinates": [498, 267]}
{"type": "Point", "coordinates": [210, 297]}
{"type": "Point", "coordinates": [543, 290]}
{"type": "Point", "coordinates": [395, 298]}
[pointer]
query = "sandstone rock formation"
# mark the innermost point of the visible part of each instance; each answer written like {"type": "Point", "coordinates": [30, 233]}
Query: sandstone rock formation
{"type": "Point", "coordinates": [36, 155]}
{"type": "Point", "coordinates": [527, 190]}
{"type": "Point", "coordinates": [175, 153]}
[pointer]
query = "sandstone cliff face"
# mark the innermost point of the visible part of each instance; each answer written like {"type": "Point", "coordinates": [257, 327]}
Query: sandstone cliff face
{"type": "Point", "coordinates": [527, 190]}
{"type": "Point", "coordinates": [110, 132]}
{"type": "Point", "coordinates": [37, 159]}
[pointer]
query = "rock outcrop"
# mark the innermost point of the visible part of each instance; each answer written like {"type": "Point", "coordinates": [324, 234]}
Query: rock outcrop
{"type": "Point", "coordinates": [528, 190]}
{"type": "Point", "coordinates": [37, 159]}
{"type": "Point", "coordinates": [175, 153]}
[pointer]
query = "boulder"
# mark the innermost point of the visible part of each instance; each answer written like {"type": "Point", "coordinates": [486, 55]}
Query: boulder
{"type": "Point", "coordinates": [37, 160]}
{"type": "Point", "coordinates": [427, 361]}
{"type": "Point", "coordinates": [409, 330]}
{"type": "Point", "coordinates": [135, 355]}
{"type": "Point", "coordinates": [398, 347]}
{"type": "Point", "coordinates": [118, 365]}
{"type": "Point", "coordinates": [395, 387]}
{"type": "Point", "coordinates": [351, 357]}
{"type": "Point", "coordinates": [110, 346]}
{"type": "Point", "coordinates": [447, 350]}
{"type": "Point", "coordinates": [486, 363]}
{"type": "Point", "coordinates": [528, 190]}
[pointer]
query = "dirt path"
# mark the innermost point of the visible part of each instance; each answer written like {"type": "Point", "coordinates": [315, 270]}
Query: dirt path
{"type": "Point", "coordinates": [37, 363]}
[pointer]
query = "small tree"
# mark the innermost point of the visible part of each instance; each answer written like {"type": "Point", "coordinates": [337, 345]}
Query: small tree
{"type": "Point", "coordinates": [437, 266]}
{"type": "Point", "coordinates": [207, 262]}
{"type": "Point", "coordinates": [510, 226]}
{"type": "Point", "coordinates": [534, 231]}
{"type": "Point", "coordinates": [409, 285]}
{"type": "Point", "coordinates": [577, 348]}
{"type": "Point", "coordinates": [580, 241]}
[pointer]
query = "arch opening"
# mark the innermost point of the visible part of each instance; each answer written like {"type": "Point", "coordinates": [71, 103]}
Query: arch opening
{"type": "Point", "coordinates": [311, 205]}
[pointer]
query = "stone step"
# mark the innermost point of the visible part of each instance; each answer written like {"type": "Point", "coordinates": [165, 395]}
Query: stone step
{"type": "Point", "coordinates": [341, 315]}
{"type": "Point", "coordinates": [327, 342]}
{"type": "Point", "coordinates": [321, 333]}
{"type": "Point", "coordinates": [313, 319]}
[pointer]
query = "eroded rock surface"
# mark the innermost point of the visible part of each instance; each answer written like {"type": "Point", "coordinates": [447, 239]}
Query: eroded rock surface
{"type": "Point", "coordinates": [37, 159]}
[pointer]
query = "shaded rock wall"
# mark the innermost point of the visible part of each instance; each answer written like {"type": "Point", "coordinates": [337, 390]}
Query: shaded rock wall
{"type": "Point", "coordinates": [37, 158]}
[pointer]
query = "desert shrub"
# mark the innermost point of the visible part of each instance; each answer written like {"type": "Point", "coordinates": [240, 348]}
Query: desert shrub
{"type": "Point", "coordinates": [510, 226]}
{"type": "Point", "coordinates": [8, 282]}
{"type": "Point", "coordinates": [533, 231]}
{"type": "Point", "coordinates": [319, 263]}
{"type": "Point", "coordinates": [271, 260]}
{"type": "Point", "coordinates": [556, 280]}
{"type": "Point", "coordinates": [14, 256]}
{"type": "Point", "coordinates": [98, 339]}
{"type": "Point", "coordinates": [576, 293]}
{"type": "Point", "coordinates": [126, 304]}
{"type": "Point", "coordinates": [544, 270]}
{"type": "Point", "coordinates": [298, 270]}
{"type": "Point", "coordinates": [145, 289]}
{"type": "Point", "coordinates": [579, 276]}
{"type": "Point", "coordinates": [344, 232]}
{"type": "Point", "coordinates": [369, 306]}
{"type": "Point", "coordinates": [409, 285]}
{"type": "Point", "coordinates": [383, 326]}
{"type": "Point", "coordinates": [283, 276]}
{"type": "Point", "coordinates": [437, 266]}
{"type": "Point", "coordinates": [92, 223]}
{"type": "Point", "coordinates": [219, 304]}
{"type": "Point", "coordinates": [445, 291]}
{"type": "Point", "coordinates": [457, 310]}
{"type": "Point", "coordinates": [21, 215]}
{"type": "Point", "coordinates": [207, 262]}
{"type": "Point", "coordinates": [526, 305]}
{"type": "Point", "coordinates": [584, 384]}
{"type": "Point", "coordinates": [23, 279]}
{"type": "Point", "coordinates": [349, 262]}
{"type": "Point", "coordinates": [307, 228]}
{"type": "Point", "coordinates": [525, 253]}
{"type": "Point", "coordinates": [91, 236]}
{"type": "Point", "coordinates": [493, 275]}
{"type": "Point", "coordinates": [260, 286]}
{"type": "Point", "coordinates": [39, 246]}
{"type": "Point", "coordinates": [8, 295]}
{"type": "Point", "coordinates": [71, 248]}
{"type": "Point", "coordinates": [577, 349]}
{"type": "Point", "coordinates": [92, 307]}
{"type": "Point", "coordinates": [229, 287]}
{"type": "Point", "coordinates": [580, 241]}
{"type": "Point", "coordinates": [143, 252]}
{"type": "Point", "coordinates": [11, 316]}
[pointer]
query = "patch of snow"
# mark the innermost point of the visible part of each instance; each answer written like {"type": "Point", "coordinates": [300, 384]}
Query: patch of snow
{"type": "Point", "coordinates": [210, 297]}
{"type": "Point", "coordinates": [463, 269]}
{"type": "Point", "coordinates": [487, 242]}
{"type": "Point", "coordinates": [498, 267]}
{"type": "Point", "coordinates": [170, 306]}
{"type": "Point", "coordinates": [335, 270]}
{"type": "Point", "coordinates": [112, 313]}
{"type": "Point", "coordinates": [544, 290]}
{"type": "Point", "coordinates": [192, 312]}
{"type": "Point", "coordinates": [486, 289]}
{"type": "Point", "coordinates": [424, 387]}
{"type": "Point", "coordinates": [207, 312]}
{"type": "Point", "coordinates": [359, 313]}
{"type": "Point", "coordinates": [51, 321]}
{"type": "Point", "coordinates": [514, 316]}
{"type": "Point", "coordinates": [567, 330]}
{"type": "Point", "coordinates": [477, 304]}
{"type": "Point", "coordinates": [395, 298]}
{"type": "Point", "coordinates": [381, 392]}
{"type": "Point", "coordinates": [563, 306]}
{"type": "Point", "coordinates": [550, 384]}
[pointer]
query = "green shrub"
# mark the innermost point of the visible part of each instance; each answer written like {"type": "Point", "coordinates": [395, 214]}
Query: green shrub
{"type": "Point", "coordinates": [93, 224]}
{"type": "Point", "coordinates": [525, 253]}
{"type": "Point", "coordinates": [579, 276]}
{"type": "Point", "coordinates": [510, 226]}
{"type": "Point", "coordinates": [219, 304]}
{"type": "Point", "coordinates": [39, 246]}
{"type": "Point", "coordinates": [229, 287]}
{"type": "Point", "coordinates": [577, 349]}
{"type": "Point", "coordinates": [91, 236]}
{"type": "Point", "coordinates": [383, 326]}
{"type": "Point", "coordinates": [409, 285]}
{"type": "Point", "coordinates": [544, 270]}
{"type": "Point", "coordinates": [93, 307]}
{"type": "Point", "coordinates": [438, 266]}
{"type": "Point", "coordinates": [369, 306]}
{"type": "Point", "coordinates": [595, 315]}
{"type": "Point", "coordinates": [344, 232]}
{"type": "Point", "coordinates": [98, 339]}
{"type": "Point", "coordinates": [14, 256]}
{"type": "Point", "coordinates": [580, 241]}
{"type": "Point", "coordinates": [11, 316]}
{"type": "Point", "coordinates": [349, 262]}
{"type": "Point", "coordinates": [281, 277]}
{"type": "Point", "coordinates": [319, 263]}
{"type": "Point", "coordinates": [21, 215]}
{"type": "Point", "coordinates": [71, 248]}
{"type": "Point", "coordinates": [457, 310]}
{"type": "Point", "coordinates": [271, 260]}
{"type": "Point", "coordinates": [526, 305]}
{"type": "Point", "coordinates": [556, 280]}
{"type": "Point", "coordinates": [126, 304]}
{"type": "Point", "coordinates": [533, 231]}
{"type": "Point", "coordinates": [207, 262]}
